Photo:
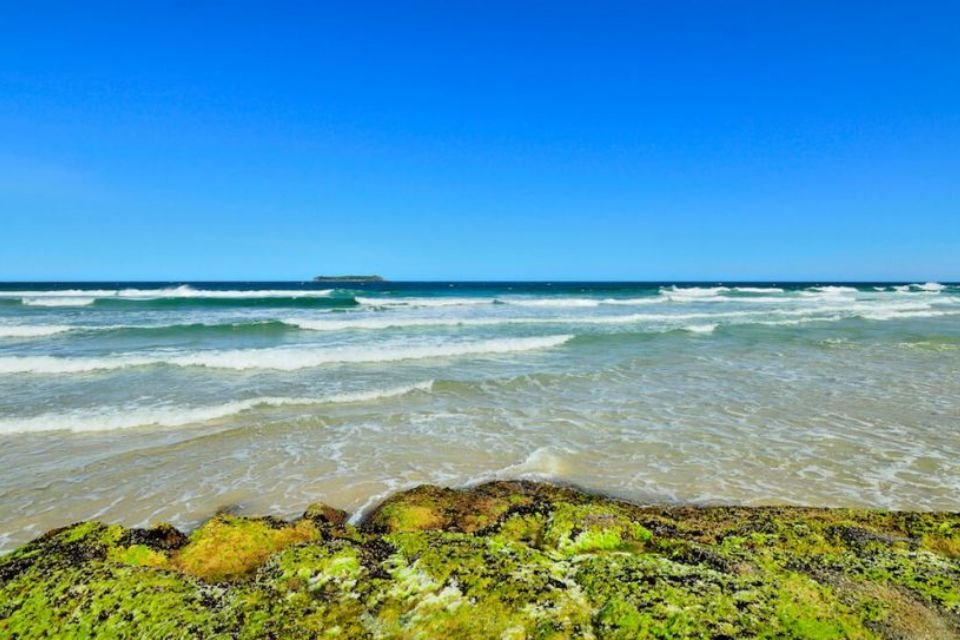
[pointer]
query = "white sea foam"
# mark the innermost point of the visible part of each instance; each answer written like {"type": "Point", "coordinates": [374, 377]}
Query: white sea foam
{"type": "Point", "coordinates": [902, 315]}
{"type": "Point", "coordinates": [550, 302]}
{"type": "Point", "coordinates": [758, 289]}
{"type": "Point", "coordinates": [547, 462]}
{"type": "Point", "coordinates": [849, 310]}
{"type": "Point", "coordinates": [700, 328]}
{"type": "Point", "coordinates": [185, 291]}
{"type": "Point", "coordinates": [461, 302]}
{"type": "Point", "coordinates": [32, 331]}
{"type": "Point", "coordinates": [675, 292]}
{"type": "Point", "coordinates": [666, 293]}
{"type": "Point", "coordinates": [634, 301]}
{"type": "Point", "coordinates": [52, 301]}
{"type": "Point", "coordinates": [543, 462]}
{"type": "Point", "coordinates": [830, 290]}
{"type": "Point", "coordinates": [863, 312]}
{"type": "Point", "coordinates": [407, 322]}
{"type": "Point", "coordinates": [58, 293]}
{"type": "Point", "coordinates": [719, 294]}
{"type": "Point", "coordinates": [404, 323]}
{"type": "Point", "coordinates": [797, 321]}
{"type": "Point", "coordinates": [919, 288]}
{"type": "Point", "coordinates": [835, 289]}
{"type": "Point", "coordinates": [278, 358]}
{"type": "Point", "coordinates": [834, 310]}
{"type": "Point", "coordinates": [423, 302]}
{"type": "Point", "coordinates": [394, 323]}
{"type": "Point", "coordinates": [171, 416]}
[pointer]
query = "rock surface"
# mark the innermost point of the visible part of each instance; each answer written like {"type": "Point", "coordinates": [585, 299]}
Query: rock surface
{"type": "Point", "coordinates": [502, 560]}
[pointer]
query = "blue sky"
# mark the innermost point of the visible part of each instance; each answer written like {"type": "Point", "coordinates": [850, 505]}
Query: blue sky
{"type": "Point", "coordinates": [480, 140]}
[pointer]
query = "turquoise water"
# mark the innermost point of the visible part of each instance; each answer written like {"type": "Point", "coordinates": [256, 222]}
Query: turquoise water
{"type": "Point", "coordinates": [138, 402]}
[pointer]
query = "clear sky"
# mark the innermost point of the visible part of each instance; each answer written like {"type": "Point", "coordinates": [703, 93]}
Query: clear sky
{"type": "Point", "coordinates": [475, 140]}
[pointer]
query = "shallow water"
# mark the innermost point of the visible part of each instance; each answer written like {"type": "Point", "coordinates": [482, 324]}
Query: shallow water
{"type": "Point", "coordinates": [138, 402]}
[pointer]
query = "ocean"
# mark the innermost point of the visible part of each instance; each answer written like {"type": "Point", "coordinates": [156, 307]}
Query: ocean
{"type": "Point", "coordinates": [143, 402]}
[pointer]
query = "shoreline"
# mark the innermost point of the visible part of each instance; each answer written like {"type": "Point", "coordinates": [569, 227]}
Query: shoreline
{"type": "Point", "coordinates": [139, 402]}
{"type": "Point", "coordinates": [514, 559]}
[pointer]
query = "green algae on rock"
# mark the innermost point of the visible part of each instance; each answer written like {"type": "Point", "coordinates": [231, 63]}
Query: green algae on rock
{"type": "Point", "coordinates": [501, 560]}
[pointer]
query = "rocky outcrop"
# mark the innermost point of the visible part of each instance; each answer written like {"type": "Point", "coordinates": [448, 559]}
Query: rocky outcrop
{"type": "Point", "coordinates": [502, 560]}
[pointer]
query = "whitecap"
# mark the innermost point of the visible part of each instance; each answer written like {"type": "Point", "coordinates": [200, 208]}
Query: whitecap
{"type": "Point", "coordinates": [32, 331]}
{"type": "Point", "coordinates": [902, 315]}
{"type": "Point", "coordinates": [831, 290]}
{"type": "Point", "coordinates": [187, 291]}
{"type": "Point", "coordinates": [758, 289]}
{"type": "Point", "coordinates": [278, 358]}
{"type": "Point", "coordinates": [394, 323]}
{"type": "Point", "coordinates": [633, 301]}
{"type": "Point", "coordinates": [67, 301]}
{"type": "Point", "coordinates": [680, 293]}
{"type": "Point", "coordinates": [700, 328]}
{"type": "Point", "coordinates": [551, 302]}
{"type": "Point", "coordinates": [37, 297]}
{"type": "Point", "coordinates": [407, 323]}
{"type": "Point", "coordinates": [58, 293]}
{"type": "Point", "coordinates": [422, 302]}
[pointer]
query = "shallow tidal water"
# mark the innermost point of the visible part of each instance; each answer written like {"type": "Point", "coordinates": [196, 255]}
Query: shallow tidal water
{"type": "Point", "coordinates": [137, 402]}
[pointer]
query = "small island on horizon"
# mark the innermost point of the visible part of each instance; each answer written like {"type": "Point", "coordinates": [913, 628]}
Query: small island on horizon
{"type": "Point", "coordinates": [349, 279]}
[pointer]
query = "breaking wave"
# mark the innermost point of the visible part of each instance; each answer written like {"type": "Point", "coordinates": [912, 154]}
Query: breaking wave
{"type": "Point", "coordinates": [277, 358]}
{"type": "Point", "coordinates": [32, 331]}
{"type": "Point", "coordinates": [126, 418]}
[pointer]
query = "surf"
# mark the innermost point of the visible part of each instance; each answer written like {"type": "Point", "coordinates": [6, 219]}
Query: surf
{"type": "Point", "coordinates": [277, 358]}
{"type": "Point", "coordinates": [131, 417]}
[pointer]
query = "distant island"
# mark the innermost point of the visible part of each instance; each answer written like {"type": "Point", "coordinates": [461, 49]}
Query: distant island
{"type": "Point", "coordinates": [349, 279]}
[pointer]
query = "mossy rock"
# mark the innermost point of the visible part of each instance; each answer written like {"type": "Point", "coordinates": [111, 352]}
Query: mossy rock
{"type": "Point", "coordinates": [230, 548]}
{"type": "Point", "coordinates": [501, 560]}
{"type": "Point", "coordinates": [428, 507]}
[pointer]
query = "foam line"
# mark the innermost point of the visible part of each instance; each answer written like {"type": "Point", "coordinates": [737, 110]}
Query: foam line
{"type": "Point", "coordinates": [125, 418]}
{"type": "Point", "coordinates": [277, 358]}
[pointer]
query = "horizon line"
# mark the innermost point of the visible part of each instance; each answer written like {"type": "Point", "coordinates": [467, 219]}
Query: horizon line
{"type": "Point", "coordinates": [491, 281]}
